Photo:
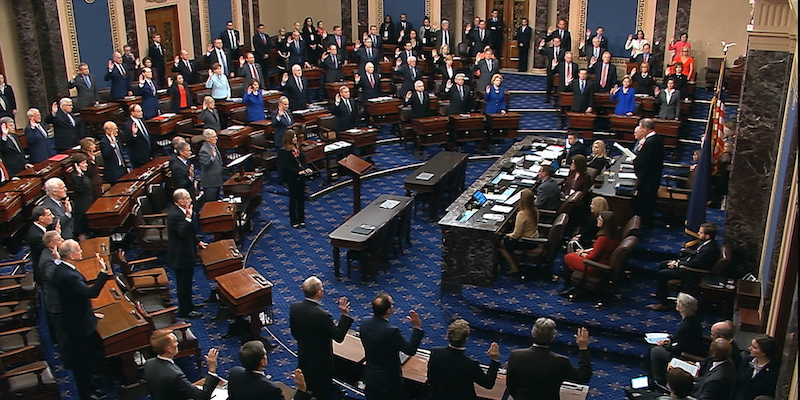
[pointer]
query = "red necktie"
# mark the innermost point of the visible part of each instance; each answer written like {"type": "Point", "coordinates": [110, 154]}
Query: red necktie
{"type": "Point", "coordinates": [254, 71]}
{"type": "Point", "coordinates": [569, 72]}
{"type": "Point", "coordinates": [371, 80]}
{"type": "Point", "coordinates": [603, 76]}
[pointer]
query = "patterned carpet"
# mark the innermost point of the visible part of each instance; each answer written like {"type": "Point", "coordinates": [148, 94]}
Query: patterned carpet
{"type": "Point", "coordinates": [504, 313]}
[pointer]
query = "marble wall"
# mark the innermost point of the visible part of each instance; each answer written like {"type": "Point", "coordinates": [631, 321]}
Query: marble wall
{"type": "Point", "coordinates": [363, 17]}
{"type": "Point", "coordinates": [659, 40]}
{"type": "Point", "coordinates": [562, 9]}
{"type": "Point", "coordinates": [347, 18]}
{"type": "Point", "coordinates": [448, 10]}
{"type": "Point", "coordinates": [246, 32]}
{"type": "Point", "coordinates": [256, 13]}
{"type": "Point", "coordinates": [197, 36]}
{"type": "Point", "coordinates": [759, 129]}
{"type": "Point", "coordinates": [682, 17]}
{"type": "Point", "coordinates": [468, 10]}
{"type": "Point", "coordinates": [539, 31]}
{"type": "Point", "coordinates": [130, 26]}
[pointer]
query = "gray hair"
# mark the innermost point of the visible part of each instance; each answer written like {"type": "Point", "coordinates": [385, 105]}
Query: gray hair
{"type": "Point", "coordinates": [67, 248]}
{"type": "Point", "coordinates": [311, 286]}
{"type": "Point", "coordinates": [52, 184]}
{"type": "Point", "coordinates": [50, 237]}
{"type": "Point", "coordinates": [32, 111]}
{"type": "Point", "coordinates": [543, 331]}
{"type": "Point", "coordinates": [180, 194]}
{"type": "Point", "coordinates": [207, 133]}
{"type": "Point", "coordinates": [457, 333]}
{"type": "Point", "coordinates": [687, 303]}
{"type": "Point", "coordinates": [648, 123]}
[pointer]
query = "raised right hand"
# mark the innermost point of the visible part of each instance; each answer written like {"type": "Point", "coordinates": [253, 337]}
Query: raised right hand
{"type": "Point", "coordinates": [408, 95]}
{"type": "Point", "coordinates": [241, 61]}
{"type": "Point", "coordinates": [54, 108]}
{"type": "Point", "coordinates": [414, 318]}
{"type": "Point", "coordinates": [630, 37]}
{"type": "Point", "coordinates": [169, 81]}
{"type": "Point", "coordinates": [110, 65]}
{"type": "Point", "coordinates": [494, 351]}
{"type": "Point", "coordinates": [177, 59]}
{"type": "Point", "coordinates": [285, 77]}
{"type": "Point", "coordinates": [582, 338]}
{"type": "Point", "coordinates": [541, 43]}
{"type": "Point", "coordinates": [209, 47]}
{"type": "Point", "coordinates": [357, 77]}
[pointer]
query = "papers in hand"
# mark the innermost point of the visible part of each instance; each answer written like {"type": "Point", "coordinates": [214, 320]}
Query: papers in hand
{"type": "Point", "coordinates": [424, 176]}
{"type": "Point", "coordinates": [625, 151]}
{"type": "Point", "coordinates": [573, 391]}
{"type": "Point", "coordinates": [691, 368]}
{"type": "Point", "coordinates": [389, 204]}
{"type": "Point", "coordinates": [655, 337]}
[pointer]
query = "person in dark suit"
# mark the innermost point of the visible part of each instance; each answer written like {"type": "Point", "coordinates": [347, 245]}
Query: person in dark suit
{"type": "Point", "coordinates": [292, 171]}
{"type": "Point", "coordinates": [479, 38]}
{"type": "Point", "coordinates": [251, 71]}
{"type": "Point", "coordinates": [182, 249]}
{"type": "Point", "coordinates": [447, 70]}
{"type": "Point", "coordinates": [367, 54]}
{"type": "Point", "coordinates": [216, 53]}
{"type": "Point", "coordinates": [576, 147]}
{"type": "Point", "coordinates": [523, 37]}
{"type": "Point", "coordinates": [80, 345]}
{"type": "Point", "coordinates": [137, 137]}
{"type": "Point", "coordinates": [42, 219]}
{"type": "Point", "coordinates": [460, 96]}
{"type": "Point", "coordinates": [681, 81]}
{"type": "Point", "coordinates": [231, 40]}
{"type": "Point", "coordinates": [82, 196]}
{"type": "Point", "coordinates": [496, 27]}
{"type": "Point", "coordinates": [58, 203]}
{"type": "Point", "coordinates": [10, 148]}
{"type": "Point", "coordinates": [404, 25]}
{"type": "Point", "coordinates": [382, 343]}
{"type": "Point", "coordinates": [298, 51]}
{"type": "Point", "coordinates": [704, 257]}
{"type": "Point", "coordinates": [262, 47]}
{"type": "Point", "coordinates": [186, 67]}
{"type": "Point", "coordinates": [562, 33]}
{"type": "Point", "coordinates": [555, 56]}
{"type": "Point", "coordinates": [452, 374]}
{"type": "Point", "coordinates": [407, 52]}
{"type": "Point", "coordinates": [39, 146]}
{"type": "Point", "coordinates": [147, 89]}
{"type": "Point", "coordinates": [332, 63]}
{"type": "Point", "coordinates": [488, 66]}
{"type": "Point", "coordinates": [648, 165]}
{"type": "Point", "coordinates": [419, 101]}
{"type": "Point", "coordinates": [599, 35]}
{"type": "Point", "coordinates": [86, 86]}
{"type": "Point", "coordinates": [645, 57]}
{"type": "Point", "coordinates": [410, 72]}
{"type": "Point", "coordinates": [758, 371]}
{"type": "Point", "coordinates": [388, 31]}
{"type": "Point", "coordinates": [668, 101]}
{"type": "Point", "coordinates": [369, 84]}
{"type": "Point", "coordinates": [46, 269]}
{"type": "Point", "coordinates": [339, 40]}
{"type": "Point", "coordinates": [183, 174]}
{"type": "Point", "coordinates": [688, 338]}
{"type": "Point", "coordinates": [726, 330]}
{"type": "Point", "coordinates": [567, 72]}
{"type": "Point", "coordinates": [111, 149]}
{"type": "Point", "coordinates": [281, 120]}
{"type": "Point", "coordinates": [593, 51]}
{"type": "Point", "coordinates": [717, 373]}
{"type": "Point", "coordinates": [248, 382]}
{"type": "Point", "coordinates": [548, 194]}
{"type": "Point", "coordinates": [296, 89]}
{"type": "Point", "coordinates": [65, 129]}
{"type": "Point", "coordinates": [130, 61]}
{"type": "Point", "coordinates": [445, 37]}
{"type": "Point", "coordinates": [210, 115]}
{"type": "Point", "coordinates": [166, 380]}
{"type": "Point", "coordinates": [211, 161]}
{"type": "Point", "coordinates": [582, 92]}
{"type": "Point", "coordinates": [313, 328]}
{"type": "Point", "coordinates": [181, 94]}
{"type": "Point", "coordinates": [605, 74]}
{"type": "Point", "coordinates": [537, 373]}
{"type": "Point", "coordinates": [374, 36]}
{"type": "Point", "coordinates": [345, 109]}
{"type": "Point", "coordinates": [8, 101]}
{"type": "Point", "coordinates": [156, 53]}
{"type": "Point", "coordinates": [643, 80]}
{"type": "Point", "coordinates": [119, 77]}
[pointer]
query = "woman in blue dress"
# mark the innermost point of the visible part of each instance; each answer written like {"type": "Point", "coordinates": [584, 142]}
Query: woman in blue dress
{"type": "Point", "coordinates": [624, 97]}
{"type": "Point", "coordinates": [254, 100]}
{"type": "Point", "coordinates": [495, 96]}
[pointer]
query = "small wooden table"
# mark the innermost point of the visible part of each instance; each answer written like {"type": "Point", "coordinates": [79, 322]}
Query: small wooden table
{"type": "Point", "coordinates": [230, 139]}
{"type": "Point", "coordinates": [96, 115]}
{"type": "Point", "coordinates": [247, 293]}
{"type": "Point", "coordinates": [122, 329]}
{"type": "Point", "coordinates": [220, 257]}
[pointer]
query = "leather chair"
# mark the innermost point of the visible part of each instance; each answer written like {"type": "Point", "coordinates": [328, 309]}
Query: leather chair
{"type": "Point", "coordinates": [142, 281]}
{"type": "Point", "coordinates": [326, 128]}
{"type": "Point", "coordinates": [32, 381]}
{"type": "Point", "coordinates": [713, 68]}
{"type": "Point", "coordinates": [569, 204]}
{"type": "Point", "coordinates": [151, 234]}
{"type": "Point", "coordinates": [719, 269]}
{"type": "Point", "coordinates": [606, 275]}
{"type": "Point", "coordinates": [20, 344]}
{"type": "Point", "coordinates": [188, 345]}
{"type": "Point", "coordinates": [543, 249]}
{"type": "Point", "coordinates": [633, 226]}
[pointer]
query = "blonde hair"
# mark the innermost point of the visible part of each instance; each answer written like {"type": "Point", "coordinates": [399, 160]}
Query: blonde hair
{"type": "Point", "coordinates": [598, 205]}
{"type": "Point", "coordinates": [603, 151]}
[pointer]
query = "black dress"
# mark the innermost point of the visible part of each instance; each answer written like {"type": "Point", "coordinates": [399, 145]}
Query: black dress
{"type": "Point", "coordinates": [82, 198]}
{"type": "Point", "coordinates": [290, 163]}
{"type": "Point", "coordinates": [313, 41]}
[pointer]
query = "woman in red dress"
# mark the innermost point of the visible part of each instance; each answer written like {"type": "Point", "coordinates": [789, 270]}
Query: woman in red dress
{"type": "Point", "coordinates": [608, 238]}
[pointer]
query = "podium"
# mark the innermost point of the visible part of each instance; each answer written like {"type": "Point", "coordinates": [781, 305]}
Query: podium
{"type": "Point", "coordinates": [122, 329]}
{"type": "Point", "coordinates": [358, 167]}
{"type": "Point", "coordinates": [220, 258]}
{"type": "Point", "coordinates": [247, 293]}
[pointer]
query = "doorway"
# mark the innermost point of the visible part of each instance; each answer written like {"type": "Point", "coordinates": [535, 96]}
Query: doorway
{"type": "Point", "coordinates": [511, 12]}
{"type": "Point", "coordinates": [164, 21]}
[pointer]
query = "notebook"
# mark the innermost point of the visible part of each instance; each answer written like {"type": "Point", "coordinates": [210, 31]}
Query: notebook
{"type": "Point", "coordinates": [363, 229]}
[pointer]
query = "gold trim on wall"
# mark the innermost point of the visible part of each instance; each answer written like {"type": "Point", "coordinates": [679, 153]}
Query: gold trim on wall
{"type": "Point", "coordinates": [207, 28]}
{"type": "Point", "coordinates": [582, 31]}
{"type": "Point", "coordinates": [72, 35]}
{"type": "Point", "coordinates": [640, 15]}
{"type": "Point", "coordinates": [429, 8]}
{"type": "Point", "coordinates": [380, 14]}
{"type": "Point", "coordinates": [112, 17]}
{"type": "Point", "coordinates": [236, 16]}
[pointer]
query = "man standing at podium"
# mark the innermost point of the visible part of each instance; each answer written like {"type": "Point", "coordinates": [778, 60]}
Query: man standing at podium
{"type": "Point", "coordinates": [313, 328]}
{"type": "Point", "coordinates": [183, 244]}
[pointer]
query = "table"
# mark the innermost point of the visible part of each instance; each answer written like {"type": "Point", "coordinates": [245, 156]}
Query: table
{"type": "Point", "coordinates": [383, 111]}
{"type": "Point", "coordinates": [503, 126]}
{"type": "Point", "coordinates": [218, 217]}
{"type": "Point", "coordinates": [441, 166]}
{"type": "Point", "coordinates": [373, 214]}
{"type": "Point", "coordinates": [96, 115]}
{"type": "Point", "coordinates": [220, 257]}
{"type": "Point", "coordinates": [246, 292]}
{"type": "Point", "coordinates": [363, 139]}
{"type": "Point", "coordinates": [231, 138]}
{"type": "Point", "coordinates": [150, 173]}
{"type": "Point", "coordinates": [467, 127]}
{"type": "Point", "coordinates": [130, 188]}
{"type": "Point", "coordinates": [621, 204]}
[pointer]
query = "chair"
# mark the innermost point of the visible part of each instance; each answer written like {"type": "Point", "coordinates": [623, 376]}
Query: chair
{"type": "Point", "coordinates": [326, 128]}
{"type": "Point", "coordinates": [606, 275]}
{"type": "Point", "coordinates": [673, 201]}
{"type": "Point", "coordinates": [32, 381]}
{"type": "Point", "coordinates": [714, 67]}
{"type": "Point", "coordinates": [719, 269]}
{"type": "Point", "coordinates": [566, 208]}
{"type": "Point", "coordinates": [188, 345]}
{"type": "Point", "coordinates": [140, 281]}
{"type": "Point", "coordinates": [152, 236]}
{"type": "Point", "coordinates": [261, 147]}
{"type": "Point", "coordinates": [20, 344]}
{"type": "Point", "coordinates": [369, 258]}
{"type": "Point", "coordinates": [543, 249]}
{"type": "Point", "coordinates": [633, 226]}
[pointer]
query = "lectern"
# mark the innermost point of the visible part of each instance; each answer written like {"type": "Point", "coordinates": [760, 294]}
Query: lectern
{"type": "Point", "coordinates": [358, 167]}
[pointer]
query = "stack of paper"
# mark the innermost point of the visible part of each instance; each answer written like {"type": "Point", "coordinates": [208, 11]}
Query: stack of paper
{"type": "Point", "coordinates": [655, 337]}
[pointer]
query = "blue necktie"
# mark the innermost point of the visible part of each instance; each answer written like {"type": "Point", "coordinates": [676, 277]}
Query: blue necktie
{"type": "Point", "coordinates": [88, 82]}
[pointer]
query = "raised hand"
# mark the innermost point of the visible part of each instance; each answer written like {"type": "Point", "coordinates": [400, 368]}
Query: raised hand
{"type": "Point", "coordinates": [344, 305]}
{"type": "Point", "coordinates": [588, 33]}
{"type": "Point", "coordinates": [488, 87]}
{"type": "Point", "coordinates": [209, 47]}
{"type": "Point", "coordinates": [494, 351]}
{"type": "Point", "coordinates": [141, 79]}
{"type": "Point", "coordinates": [285, 78]}
{"type": "Point", "coordinates": [241, 61]}
{"type": "Point", "coordinates": [633, 71]}
{"type": "Point", "coordinates": [550, 29]}
{"type": "Point", "coordinates": [211, 359]}
{"type": "Point", "coordinates": [541, 43]}
{"type": "Point", "coordinates": [414, 318]}
{"type": "Point", "coordinates": [448, 85]}
{"type": "Point", "coordinates": [54, 108]}
{"type": "Point", "coordinates": [338, 98]}
{"type": "Point", "coordinates": [299, 380]}
{"type": "Point", "coordinates": [399, 62]}
{"type": "Point", "coordinates": [630, 37]}
{"type": "Point", "coordinates": [582, 338]}
{"type": "Point", "coordinates": [210, 73]}
{"type": "Point", "coordinates": [177, 59]}
{"type": "Point", "coordinates": [134, 129]}
{"type": "Point", "coordinates": [656, 90]}
{"type": "Point", "coordinates": [397, 52]}
{"type": "Point", "coordinates": [357, 77]}
{"type": "Point", "coordinates": [169, 81]}
{"type": "Point", "coordinates": [110, 65]}
{"type": "Point", "coordinates": [434, 53]}
{"type": "Point", "coordinates": [408, 95]}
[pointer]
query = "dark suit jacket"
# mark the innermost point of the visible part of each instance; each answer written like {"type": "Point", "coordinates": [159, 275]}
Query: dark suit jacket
{"type": "Point", "coordinates": [478, 44]}
{"type": "Point", "coordinates": [537, 373]}
{"type": "Point", "coordinates": [11, 102]}
{"type": "Point", "coordinates": [157, 56]}
{"type": "Point", "coordinates": [180, 175]}
{"type": "Point", "coordinates": [77, 314]}
{"type": "Point", "coordinates": [408, 78]}
{"type": "Point", "coordinates": [669, 109]}
{"type": "Point", "coordinates": [182, 240]}
{"type": "Point", "coordinates": [581, 101]}
{"type": "Point", "coordinates": [64, 133]}
{"type": "Point", "coordinates": [139, 147]}
{"type": "Point", "coordinates": [297, 54]}
{"type": "Point", "coordinates": [112, 171]}
{"type": "Point", "coordinates": [368, 91]}
{"type": "Point", "coordinates": [58, 212]}
{"type": "Point", "coordinates": [704, 257]}
{"type": "Point", "coordinates": [764, 383]}
{"type": "Point", "coordinates": [313, 328]}
{"type": "Point", "coordinates": [651, 60]}
{"type": "Point", "coordinates": [35, 244]}
{"type": "Point", "coordinates": [548, 195]}
{"type": "Point", "coordinates": [452, 374]}
{"type": "Point", "coordinates": [261, 47]}
{"type": "Point", "coordinates": [611, 80]}
{"type": "Point", "coordinates": [345, 118]}
{"type": "Point", "coordinates": [561, 70]}
{"type": "Point", "coordinates": [688, 338]}
{"type": "Point", "coordinates": [486, 74]}
{"type": "Point", "coordinates": [649, 163]}
{"type": "Point", "coordinates": [603, 41]}
{"type": "Point", "coordinates": [279, 126]}
{"type": "Point", "coordinates": [681, 82]}
{"type": "Point", "coordinates": [382, 343]}
{"type": "Point", "coordinates": [289, 166]}
{"type": "Point", "coordinates": [298, 99]}
{"type": "Point", "coordinates": [566, 38]}
{"type": "Point", "coordinates": [404, 55]}
{"type": "Point", "coordinates": [167, 382]}
{"type": "Point", "coordinates": [190, 77]}
{"type": "Point", "coordinates": [588, 52]}
{"type": "Point", "coordinates": [86, 96]}
{"type": "Point", "coordinates": [212, 167]}
{"type": "Point", "coordinates": [342, 50]}
{"type": "Point", "coordinates": [459, 105]}
{"type": "Point", "coordinates": [175, 94]}
{"type": "Point", "coordinates": [523, 37]}
{"type": "Point", "coordinates": [715, 384]}
{"type": "Point", "coordinates": [407, 28]}
{"type": "Point", "coordinates": [211, 58]}
{"type": "Point", "coordinates": [149, 99]}
{"type": "Point", "coordinates": [120, 85]}
{"type": "Point", "coordinates": [643, 84]}
{"type": "Point", "coordinates": [575, 149]}
{"type": "Point", "coordinates": [13, 154]}
{"type": "Point", "coordinates": [47, 269]}
{"type": "Point", "coordinates": [39, 146]}
{"type": "Point", "coordinates": [550, 53]}
{"type": "Point", "coordinates": [419, 110]}
{"type": "Point", "coordinates": [226, 41]}
{"type": "Point", "coordinates": [210, 119]}
{"type": "Point", "coordinates": [250, 385]}
{"type": "Point", "coordinates": [440, 40]}
{"type": "Point", "coordinates": [247, 73]}
{"type": "Point", "coordinates": [333, 71]}
{"type": "Point", "coordinates": [363, 58]}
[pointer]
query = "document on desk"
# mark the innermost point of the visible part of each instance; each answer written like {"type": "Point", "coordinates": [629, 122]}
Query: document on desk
{"type": "Point", "coordinates": [389, 204]}
{"type": "Point", "coordinates": [493, 217]}
{"type": "Point", "coordinates": [467, 215]}
{"type": "Point", "coordinates": [627, 175]}
{"type": "Point", "coordinates": [425, 176]}
{"type": "Point", "coordinates": [363, 229]}
{"type": "Point", "coordinates": [501, 209]}
{"type": "Point", "coordinates": [534, 157]}
{"type": "Point", "coordinates": [573, 391]}
{"type": "Point", "coordinates": [562, 172]}
{"type": "Point", "coordinates": [513, 199]}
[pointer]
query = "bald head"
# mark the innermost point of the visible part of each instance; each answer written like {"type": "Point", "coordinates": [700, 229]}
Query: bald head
{"type": "Point", "coordinates": [720, 349]}
{"type": "Point", "coordinates": [723, 329]}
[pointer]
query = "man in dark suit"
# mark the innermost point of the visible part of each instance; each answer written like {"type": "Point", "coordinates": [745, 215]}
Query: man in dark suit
{"type": "Point", "coordinates": [39, 146]}
{"type": "Point", "coordinates": [668, 101]}
{"type": "Point", "coordinates": [593, 51]}
{"type": "Point", "coordinates": [582, 92]}
{"type": "Point", "coordinates": [262, 47]}
{"type": "Point", "coordinates": [382, 343]}
{"type": "Point", "coordinates": [209, 115]}
{"type": "Point", "coordinates": [250, 70]}
{"type": "Point", "coordinates": [111, 149]}
{"type": "Point", "coordinates": [156, 53]}
{"type": "Point", "coordinates": [42, 218]}
{"type": "Point", "coordinates": [80, 345]}
{"type": "Point", "coordinates": [496, 29]}
{"type": "Point", "coordinates": [216, 53]}
{"type": "Point", "coordinates": [249, 382]}
{"type": "Point", "coordinates": [599, 35]}
{"type": "Point", "coordinates": [46, 269]}
{"type": "Point", "coordinates": [166, 380]}
{"type": "Point", "coordinates": [562, 33]}
{"type": "Point", "coordinates": [375, 37]}
{"type": "Point", "coordinates": [137, 137]}
{"type": "Point", "coordinates": [704, 257]}
{"type": "Point", "coordinates": [479, 38]}
{"type": "Point", "coordinates": [65, 128]}
{"type": "Point", "coordinates": [648, 165]}
{"type": "Point", "coordinates": [537, 373]}
{"type": "Point", "coordinates": [548, 193]}
{"type": "Point", "coordinates": [367, 54]}
{"type": "Point", "coordinates": [230, 40]}
{"type": "Point", "coordinates": [186, 67]}
{"type": "Point", "coordinates": [332, 64]}
{"type": "Point", "coordinates": [119, 77]}
{"type": "Point", "coordinates": [345, 109]}
{"type": "Point", "coordinates": [370, 83]}
{"type": "Point", "coordinates": [183, 174]}
{"type": "Point", "coordinates": [726, 330]}
{"type": "Point", "coordinates": [460, 96]}
{"type": "Point", "coordinates": [148, 89]}
{"type": "Point", "coordinates": [313, 328]}
{"type": "Point", "coordinates": [404, 25]}
{"type": "Point", "coordinates": [86, 86]}
{"type": "Point", "coordinates": [452, 374]}
{"type": "Point", "coordinates": [339, 40]}
{"type": "Point", "coordinates": [576, 147]}
{"type": "Point", "coordinates": [605, 74]}
{"type": "Point", "coordinates": [281, 120]}
{"type": "Point", "coordinates": [567, 72]}
{"type": "Point", "coordinates": [445, 36]}
{"type": "Point", "coordinates": [130, 61]}
{"type": "Point", "coordinates": [58, 203]}
{"type": "Point", "coordinates": [182, 249]}
{"type": "Point", "coordinates": [211, 160]}
{"type": "Point", "coordinates": [406, 53]}
{"type": "Point", "coordinates": [523, 37]}
{"type": "Point", "coordinates": [419, 101]}
{"type": "Point", "coordinates": [717, 373]}
{"type": "Point", "coordinates": [555, 56]}
{"type": "Point", "coordinates": [296, 89]}
{"type": "Point", "coordinates": [410, 72]}
{"type": "Point", "coordinates": [488, 65]}
{"type": "Point", "coordinates": [645, 57]}
{"type": "Point", "coordinates": [10, 148]}
{"type": "Point", "coordinates": [298, 53]}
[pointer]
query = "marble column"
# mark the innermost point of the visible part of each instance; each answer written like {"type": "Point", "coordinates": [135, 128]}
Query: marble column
{"type": "Point", "coordinates": [659, 41]}
{"type": "Point", "coordinates": [539, 32]}
{"type": "Point", "coordinates": [682, 17]}
{"type": "Point", "coordinates": [468, 12]}
{"type": "Point", "coordinates": [363, 18]}
{"type": "Point", "coordinates": [130, 26]}
{"type": "Point", "coordinates": [246, 24]}
{"type": "Point", "coordinates": [448, 11]}
{"type": "Point", "coordinates": [562, 9]}
{"type": "Point", "coordinates": [197, 38]}
{"type": "Point", "coordinates": [347, 18]}
{"type": "Point", "coordinates": [256, 13]}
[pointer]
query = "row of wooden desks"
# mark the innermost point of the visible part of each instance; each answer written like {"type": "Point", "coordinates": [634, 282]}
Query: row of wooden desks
{"type": "Point", "coordinates": [464, 127]}
{"type": "Point", "coordinates": [350, 360]}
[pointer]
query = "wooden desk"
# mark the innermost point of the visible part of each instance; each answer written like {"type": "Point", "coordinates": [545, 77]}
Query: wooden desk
{"type": "Point", "coordinates": [230, 139]}
{"type": "Point", "coordinates": [122, 329]}
{"type": "Point", "coordinates": [250, 187]}
{"type": "Point", "coordinates": [193, 113]}
{"type": "Point", "coordinates": [150, 173]}
{"type": "Point", "coordinates": [583, 122]}
{"type": "Point", "coordinates": [45, 170]}
{"type": "Point", "coordinates": [29, 189]}
{"type": "Point", "coordinates": [131, 188]}
{"type": "Point", "coordinates": [220, 257]}
{"type": "Point", "coordinates": [623, 126]}
{"type": "Point", "coordinates": [95, 116]}
{"type": "Point", "coordinates": [467, 127]}
{"type": "Point", "coordinates": [218, 216]}
{"type": "Point", "coordinates": [363, 139]}
{"type": "Point", "coordinates": [109, 212]}
{"type": "Point", "coordinates": [111, 293]}
{"type": "Point", "coordinates": [126, 102]}
{"type": "Point", "coordinates": [669, 129]}
{"type": "Point", "coordinates": [441, 166]}
{"type": "Point", "coordinates": [165, 126]}
{"type": "Point", "coordinates": [332, 88]}
{"type": "Point", "coordinates": [430, 131]}
{"type": "Point", "coordinates": [309, 115]}
{"type": "Point", "coordinates": [383, 112]}
{"type": "Point", "coordinates": [10, 205]}
{"type": "Point", "coordinates": [503, 126]}
{"type": "Point", "coordinates": [246, 292]}
{"type": "Point", "coordinates": [622, 205]}
{"type": "Point", "coordinates": [373, 214]}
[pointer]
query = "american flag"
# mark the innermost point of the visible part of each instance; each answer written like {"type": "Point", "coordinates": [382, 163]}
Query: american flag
{"type": "Point", "coordinates": [718, 130]}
